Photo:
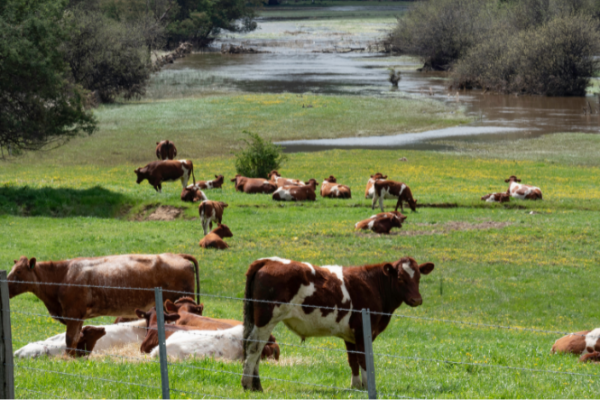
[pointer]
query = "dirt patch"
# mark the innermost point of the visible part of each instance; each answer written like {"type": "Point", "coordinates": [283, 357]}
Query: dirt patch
{"type": "Point", "coordinates": [154, 212]}
{"type": "Point", "coordinates": [440, 229]}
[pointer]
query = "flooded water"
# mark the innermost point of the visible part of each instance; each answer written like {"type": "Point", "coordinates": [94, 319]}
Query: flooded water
{"type": "Point", "coordinates": [331, 57]}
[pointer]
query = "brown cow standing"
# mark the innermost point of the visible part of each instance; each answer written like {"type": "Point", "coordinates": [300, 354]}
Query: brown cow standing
{"type": "Point", "coordinates": [382, 222]}
{"type": "Point", "coordinates": [214, 184]}
{"type": "Point", "coordinates": [370, 191]}
{"type": "Point", "coordinates": [210, 211]}
{"type": "Point", "coordinates": [192, 193]}
{"type": "Point", "coordinates": [297, 193]}
{"type": "Point", "coordinates": [215, 238]}
{"type": "Point", "coordinates": [253, 185]}
{"type": "Point", "coordinates": [83, 288]}
{"type": "Point", "coordinates": [336, 295]}
{"type": "Point", "coordinates": [330, 188]}
{"type": "Point", "coordinates": [278, 181]}
{"type": "Point", "coordinates": [166, 171]}
{"type": "Point", "coordinates": [166, 150]}
{"type": "Point", "coordinates": [396, 190]}
{"type": "Point", "coordinates": [523, 192]}
{"type": "Point", "coordinates": [496, 198]}
{"type": "Point", "coordinates": [578, 343]}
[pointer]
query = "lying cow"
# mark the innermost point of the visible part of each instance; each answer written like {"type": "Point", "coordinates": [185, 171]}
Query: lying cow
{"type": "Point", "coordinates": [297, 193]}
{"type": "Point", "coordinates": [523, 192]}
{"type": "Point", "coordinates": [393, 189]}
{"type": "Point", "coordinates": [215, 238]}
{"type": "Point", "coordinates": [193, 193]}
{"type": "Point", "coordinates": [370, 191]}
{"type": "Point", "coordinates": [278, 181]}
{"type": "Point", "coordinates": [211, 211]}
{"type": "Point", "coordinates": [578, 343]}
{"type": "Point", "coordinates": [382, 222]}
{"type": "Point", "coordinates": [336, 296]}
{"type": "Point", "coordinates": [590, 357]}
{"type": "Point", "coordinates": [56, 345]}
{"type": "Point", "coordinates": [166, 150]}
{"type": "Point", "coordinates": [166, 171]}
{"type": "Point", "coordinates": [330, 188]}
{"type": "Point", "coordinates": [216, 183]}
{"type": "Point", "coordinates": [253, 185]}
{"type": "Point", "coordinates": [83, 288]}
{"type": "Point", "coordinates": [496, 198]}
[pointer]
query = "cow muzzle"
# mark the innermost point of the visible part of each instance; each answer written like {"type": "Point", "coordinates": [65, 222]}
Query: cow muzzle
{"type": "Point", "coordinates": [415, 302]}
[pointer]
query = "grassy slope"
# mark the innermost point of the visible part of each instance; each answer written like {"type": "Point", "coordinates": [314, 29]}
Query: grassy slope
{"type": "Point", "coordinates": [540, 271]}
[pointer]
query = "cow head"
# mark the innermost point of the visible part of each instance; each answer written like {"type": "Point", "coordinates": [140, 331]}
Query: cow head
{"type": "Point", "coordinates": [151, 319]}
{"type": "Point", "coordinates": [222, 231]}
{"type": "Point", "coordinates": [218, 181]}
{"type": "Point", "coordinates": [399, 217]}
{"type": "Point", "coordinates": [22, 277]}
{"type": "Point", "coordinates": [273, 174]}
{"type": "Point", "coordinates": [142, 173]}
{"type": "Point", "coordinates": [271, 349]}
{"type": "Point", "coordinates": [184, 304]}
{"type": "Point", "coordinates": [378, 175]}
{"type": "Point", "coordinates": [87, 340]}
{"type": "Point", "coordinates": [412, 203]}
{"type": "Point", "coordinates": [404, 276]}
{"type": "Point", "coordinates": [512, 179]}
{"type": "Point", "coordinates": [331, 179]}
{"type": "Point", "coordinates": [312, 183]}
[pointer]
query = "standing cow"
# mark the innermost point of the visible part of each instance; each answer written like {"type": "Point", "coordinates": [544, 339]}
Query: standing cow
{"type": "Point", "coordinates": [166, 171]}
{"type": "Point", "coordinates": [83, 288]}
{"type": "Point", "coordinates": [324, 301]}
{"type": "Point", "coordinates": [166, 150]}
{"type": "Point", "coordinates": [370, 190]}
{"type": "Point", "coordinates": [211, 211]}
{"type": "Point", "coordinates": [392, 189]}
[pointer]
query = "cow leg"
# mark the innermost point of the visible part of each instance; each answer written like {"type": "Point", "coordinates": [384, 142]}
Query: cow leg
{"type": "Point", "coordinates": [374, 201]}
{"type": "Point", "coordinates": [360, 347]}
{"type": "Point", "coordinates": [254, 345]}
{"type": "Point", "coordinates": [354, 365]}
{"type": "Point", "coordinates": [72, 336]}
{"type": "Point", "coordinates": [205, 226]}
{"type": "Point", "coordinates": [381, 202]}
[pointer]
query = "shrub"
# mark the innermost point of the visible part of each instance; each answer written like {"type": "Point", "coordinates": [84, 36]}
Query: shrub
{"type": "Point", "coordinates": [259, 158]}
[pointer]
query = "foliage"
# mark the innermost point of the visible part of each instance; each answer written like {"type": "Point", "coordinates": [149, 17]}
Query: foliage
{"type": "Point", "coordinates": [38, 103]}
{"type": "Point", "coordinates": [259, 157]}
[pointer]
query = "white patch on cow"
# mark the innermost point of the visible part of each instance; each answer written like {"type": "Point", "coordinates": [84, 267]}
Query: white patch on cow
{"type": "Point", "coordinates": [339, 273]}
{"type": "Point", "coordinates": [373, 216]}
{"type": "Point", "coordinates": [402, 189]}
{"type": "Point", "coordinates": [592, 341]}
{"type": "Point", "coordinates": [284, 194]}
{"type": "Point", "coordinates": [226, 344]}
{"type": "Point", "coordinates": [515, 187]}
{"type": "Point", "coordinates": [336, 190]}
{"type": "Point", "coordinates": [186, 173]}
{"type": "Point", "coordinates": [355, 382]}
{"type": "Point", "coordinates": [309, 265]}
{"type": "Point", "coordinates": [281, 260]}
{"type": "Point", "coordinates": [491, 199]}
{"type": "Point", "coordinates": [363, 374]}
{"type": "Point", "coordinates": [406, 267]}
{"type": "Point", "coordinates": [371, 223]}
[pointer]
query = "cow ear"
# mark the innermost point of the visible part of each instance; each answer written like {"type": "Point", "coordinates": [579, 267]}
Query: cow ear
{"type": "Point", "coordinates": [171, 317]}
{"type": "Point", "coordinates": [388, 269]}
{"type": "Point", "coordinates": [426, 268]}
{"type": "Point", "coordinates": [141, 314]}
{"type": "Point", "coordinates": [157, 142]}
{"type": "Point", "coordinates": [216, 176]}
{"type": "Point", "coordinates": [32, 262]}
{"type": "Point", "coordinates": [225, 205]}
{"type": "Point", "coordinates": [170, 306]}
{"type": "Point", "coordinates": [197, 309]}
{"type": "Point", "coordinates": [518, 180]}
{"type": "Point", "coordinates": [15, 261]}
{"type": "Point", "coordinates": [506, 180]}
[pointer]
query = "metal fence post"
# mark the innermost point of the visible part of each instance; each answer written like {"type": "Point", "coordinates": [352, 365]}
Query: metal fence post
{"type": "Point", "coordinates": [7, 376]}
{"type": "Point", "coordinates": [162, 348]}
{"type": "Point", "coordinates": [366, 322]}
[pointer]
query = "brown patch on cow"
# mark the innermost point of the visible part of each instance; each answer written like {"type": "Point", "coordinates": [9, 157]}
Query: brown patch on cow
{"type": "Point", "coordinates": [591, 357]}
{"type": "Point", "coordinates": [165, 213]}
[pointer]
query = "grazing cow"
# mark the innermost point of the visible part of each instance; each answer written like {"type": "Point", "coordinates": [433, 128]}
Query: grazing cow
{"type": "Point", "coordinates": [84, 288]}
{"type": "Point", "coordinates": [56, 345]}
{"type": "Point", "coordinates": [324, 301]}
{"type": "Point", "coordinates": [590, 357]}
{"type": "Point", "coordinates": [382, 222]}
{"type": "Point", "coordinates": [496, 198]}
{"type": "Point", "coordinates": [166, 171]}
{"type": "Point", "coordinates": [330, 188]}
{"type": "Point", "coordinates": [394, 189]}
{"type": "Point", "coordinates": [253, 185]}
{"type": "Point", "coordinates": [370, 191]}
{"type": "Point", "coordinates": [211, 211]}
{"type": "Point", "coordinates": [578, 343]}
{"type": "Point", "coordinates": [166, 150]}
{"type": "Point", "coordinates": [215, 238]}
{"type": "Point", "coordinates": [192, 193]}
{"type": "Point", "coordinates": [214, 184]}
{"type": "Point", "coordinates": [297, 193]}
{"type": "Point", "coordinates": [523, 192]}
{"type": "Point", "coordinates": [278, 181]}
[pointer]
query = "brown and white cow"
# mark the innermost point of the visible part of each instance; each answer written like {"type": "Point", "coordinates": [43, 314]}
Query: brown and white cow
{"type": "Point", "coordinates": [496, 198]}
{"type": "Point", "coordinates": [210, 211]}
{"type": "Point", "coordinates": [370, 191]}
{"type": "Point", "coordinates": [382, 222]}
{"type": "Point", "coordinates": [583, 342]}
{"type": "Point", "coordinates": [523, 192]}
{"type": "Point", "coordinates": [193, 193]}
{"type": "Point", "coordinates": [216, 183]}
{"type": "Point", "coordinates": [166, 171]}
{"type": "Point", "coordinates": [83, 288]}
{"type": "Point", "coordinates": [253, 185]}
{"type": "Point", "coordinates": [297, 193]}
{"type": "Point", "coordinates": [396, 190]}
{"type": "Point", "coordinates": [336, 294]}
{"type": "Point", "coordinates": [166, 150]}
{"type": "Point", "coordinates": [278, 181]}
{"type": "Point", "coordinates": [330, 188]}
{"type": "Point", "coordinates": [215, 238]}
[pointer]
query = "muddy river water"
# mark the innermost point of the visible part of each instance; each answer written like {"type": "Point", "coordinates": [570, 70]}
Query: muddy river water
{"type": "Point", "coordinates": [337, 56]}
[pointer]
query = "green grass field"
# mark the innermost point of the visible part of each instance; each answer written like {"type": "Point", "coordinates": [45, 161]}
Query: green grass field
{"type": "Point", "coordinates": [495, 264]}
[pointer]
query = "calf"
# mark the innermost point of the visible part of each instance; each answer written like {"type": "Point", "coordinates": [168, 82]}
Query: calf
{"type": "Point", "coordinates": [83, 288]}
{"type": "Point", "coordinates": [578, 343]}
{"type": "Point", "coordinates": [330, 188]}
{"type": "Point", "coordinates": [214, 184]}
{"type": "Point", "coordinates": [55, 345]}
{"type": "Point", "coordinates": [324, 301]}
{"type": "Point", "coordinates": [382, 222]}
{"type": "Point", "coordinates": [253, 185]}
{"type": "Point", "coordinates": [211, 211]}
{"type": "Point", "coordinates": [396, 190]}
{"type": "Point", "coordinates": [166, 150]}
{"type": "Point", "coordinates": [278, 181]}
{"type": "Point", "coordinates": [496, 198]}
{"type": "Point", "coordinates": [370, 191]}
{"type": "Point", "coordinates": [215, 238]}
{"type": "Point", "coordinates": [523, 192]}
{"type": "Point", "coordinates": [192, 193]}
{"type": "Point", "coordinates": [166, 171]}
{"type": "Point", "coordinates": [297, 193]}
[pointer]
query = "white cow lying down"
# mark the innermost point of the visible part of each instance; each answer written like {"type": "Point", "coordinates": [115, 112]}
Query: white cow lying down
{"type": "Point", "coordinates": [225, 344]}
{"type": "Point", "coordinates": [117, 335]}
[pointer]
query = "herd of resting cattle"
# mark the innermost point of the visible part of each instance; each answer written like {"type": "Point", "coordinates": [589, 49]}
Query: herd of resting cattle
{"type": "Point", "coordinates": [310, 300]}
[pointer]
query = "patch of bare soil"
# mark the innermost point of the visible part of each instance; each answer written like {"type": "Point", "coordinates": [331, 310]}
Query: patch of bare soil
{"type": "Point", "coordinates": [153, 212]}
{"type": "Point", "coordinates": [440, 229]}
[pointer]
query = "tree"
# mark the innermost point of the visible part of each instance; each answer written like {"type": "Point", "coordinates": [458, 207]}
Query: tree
{"type": "Point", "coordinates": [38, 103]}
{"type": "Point", "coordinates": [259, 157]}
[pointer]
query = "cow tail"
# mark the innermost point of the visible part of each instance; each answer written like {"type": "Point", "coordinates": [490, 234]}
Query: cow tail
{"type": "Point", "coordinates": [197, 272]}
{"type": "Point", "coordinates": [248, 301]}
{"type": "Point", "coordinates": [193, 177]}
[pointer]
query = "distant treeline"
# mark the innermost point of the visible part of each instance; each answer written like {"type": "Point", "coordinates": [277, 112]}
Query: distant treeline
{"type": "Point", "coordinates": [547, 47]}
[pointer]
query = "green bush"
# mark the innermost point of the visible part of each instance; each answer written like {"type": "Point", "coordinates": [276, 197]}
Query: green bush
{"type": "Point", "coordinates": [259, 157]}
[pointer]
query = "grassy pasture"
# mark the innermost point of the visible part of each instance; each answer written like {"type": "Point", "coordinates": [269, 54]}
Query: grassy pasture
{"type": "Point", "coordinates": [494, 265]}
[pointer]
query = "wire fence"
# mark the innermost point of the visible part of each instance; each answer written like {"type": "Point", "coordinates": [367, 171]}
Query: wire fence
{"type": "Point", "coordinates": [113, 372]}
